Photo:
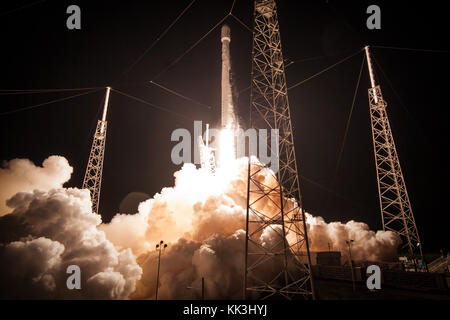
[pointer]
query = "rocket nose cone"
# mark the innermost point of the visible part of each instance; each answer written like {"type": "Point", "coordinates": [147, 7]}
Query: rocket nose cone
{"type": "Point", "coordinates": [226, 33]}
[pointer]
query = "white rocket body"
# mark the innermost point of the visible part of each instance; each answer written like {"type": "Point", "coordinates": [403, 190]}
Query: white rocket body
{"type": "Point", "coordinates": [227, 99]}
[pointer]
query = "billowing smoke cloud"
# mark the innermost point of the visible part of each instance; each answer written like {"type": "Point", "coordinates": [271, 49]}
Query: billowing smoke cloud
{"type": "Point", "coordinates": [203, 219]}
{"type": "Point", "coordinates": [368, 245]}
{"type": "Point", "coordinates": [49, 230]}
{"type": "Point", "coordinates": [22, 175]}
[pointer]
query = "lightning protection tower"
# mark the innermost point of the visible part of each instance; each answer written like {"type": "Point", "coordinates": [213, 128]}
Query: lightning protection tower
{"type": "Point", "coordinates": [396, 211]}
{"type": "Point", "coordinates": [279, 268]}
{"type": "Point", "coordinates": [93, 176]}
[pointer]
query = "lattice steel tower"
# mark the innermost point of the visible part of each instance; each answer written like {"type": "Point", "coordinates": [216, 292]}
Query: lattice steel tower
{"type": "Point", "coordinates": [396, 211]}
{"type": "Point", "coordinates": [93, 176]}
{"type": "Point", "coordinates": [280, 267]}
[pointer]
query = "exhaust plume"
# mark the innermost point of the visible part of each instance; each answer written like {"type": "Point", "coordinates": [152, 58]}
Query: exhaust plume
{"type": "Point", "coordinates": [22, 175]}
{"type": "Point", "coordinates": [47, 231]}
{"type": "Point", "coordinates": [202, 218]}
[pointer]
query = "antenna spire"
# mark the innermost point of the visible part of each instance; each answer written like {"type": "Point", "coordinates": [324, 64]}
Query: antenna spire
{"type": "Point", "coordinates": [395, 207]}
{"type": "Point", "coordinates": [93, 176]}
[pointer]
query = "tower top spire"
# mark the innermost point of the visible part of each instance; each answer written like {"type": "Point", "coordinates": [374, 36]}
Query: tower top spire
{"type": "Point", "coordinates": [369, 63]}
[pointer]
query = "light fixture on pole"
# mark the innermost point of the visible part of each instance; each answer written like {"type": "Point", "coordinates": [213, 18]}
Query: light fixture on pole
{"type": "Point", "coordinates": [349, 244]}
{"type": "Point", "coordinates": [159, 247]}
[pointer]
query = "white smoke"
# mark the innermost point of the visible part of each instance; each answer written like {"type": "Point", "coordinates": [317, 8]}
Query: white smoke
{"type": "Point", "coordinates": [202, 218]}
{"type": "Point", "coordinates": [22, 175]}
{"type": "Point", "coordinates": [49, 230]}
{"type": "Point", "coordinates": [367, 245]}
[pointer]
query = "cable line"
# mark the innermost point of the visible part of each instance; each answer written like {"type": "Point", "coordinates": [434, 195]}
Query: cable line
{"type": "Point", "coordinates": [179, 94]}
{"type": "Point", "coordinates": [156, 41]}
{"type": "Point", "coordinates": [195, 44]}
{"type": "Point", "coordinates": [242, 23]}
{"type": "Point", "coordinates": [188, 50]}
{"type": "Point", "coordinates": [318, 57]}
{"type": "Point", "coordinates": [348, 122]}
{"type": "Point", "coordinates": [4, 92]}
{"type": "Point", "coordinates": [315, 75]}
{"type": "Point", "coordinates": [412, 49]}
{"type": "Point", "coordinates": [46, 103]}
{"type": "Point", "coordinates": [324, 70]}
{"type": "Point", "coordinates": [391, 86]}
{"type": "Point", "coordinates": [305, 59]}
{"type": "Point", "coordinates": [289, 63]}
{"type": "Point", "coordinates": [320, 186]}
{"type": "Point", "coordinates": [22, 7]}
{"type": "Point", "coordinates": [151, 104]}
{"type": "Point", "coordinates": [400, 100]}
{"type": "Point", "coordinates": [232, 7]}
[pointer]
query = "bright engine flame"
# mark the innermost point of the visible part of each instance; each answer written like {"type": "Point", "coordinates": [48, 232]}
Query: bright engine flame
{"type": "Point", "coordinates": [227, 149]}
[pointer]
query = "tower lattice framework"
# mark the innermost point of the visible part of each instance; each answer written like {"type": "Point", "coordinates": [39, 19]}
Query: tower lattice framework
{"type": "Point", "coordinates": [280, 267]}
{"type": "Point", "coordinates": [93, 176]}
{"type": "Point", "coordinates": [396, 211]}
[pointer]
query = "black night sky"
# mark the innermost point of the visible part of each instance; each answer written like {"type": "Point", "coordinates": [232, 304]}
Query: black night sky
{"type": "Point", "coordinates": [39, 52]}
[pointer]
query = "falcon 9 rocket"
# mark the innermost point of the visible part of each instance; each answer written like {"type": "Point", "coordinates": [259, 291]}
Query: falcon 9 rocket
{"type": "Point", "coordinates": [227, 99]}
{"type": "Point", "coordinates": [226, 150]}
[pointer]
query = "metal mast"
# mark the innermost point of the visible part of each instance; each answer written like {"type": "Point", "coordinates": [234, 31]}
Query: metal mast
{"type": "Point", "coordinates": [93, 177]}
{"type": "Point", "coordinates": [282, 267]}
{"type": "Point", "coordinates": [396, 211]}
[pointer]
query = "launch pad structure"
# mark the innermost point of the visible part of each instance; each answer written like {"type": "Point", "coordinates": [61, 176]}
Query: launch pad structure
{"type": "Point", "coordinates": [270, 109]}
{"type": "Point", "coordinates": [93, 176]}
{"type": "Point", "coordinates": [395, 207]}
